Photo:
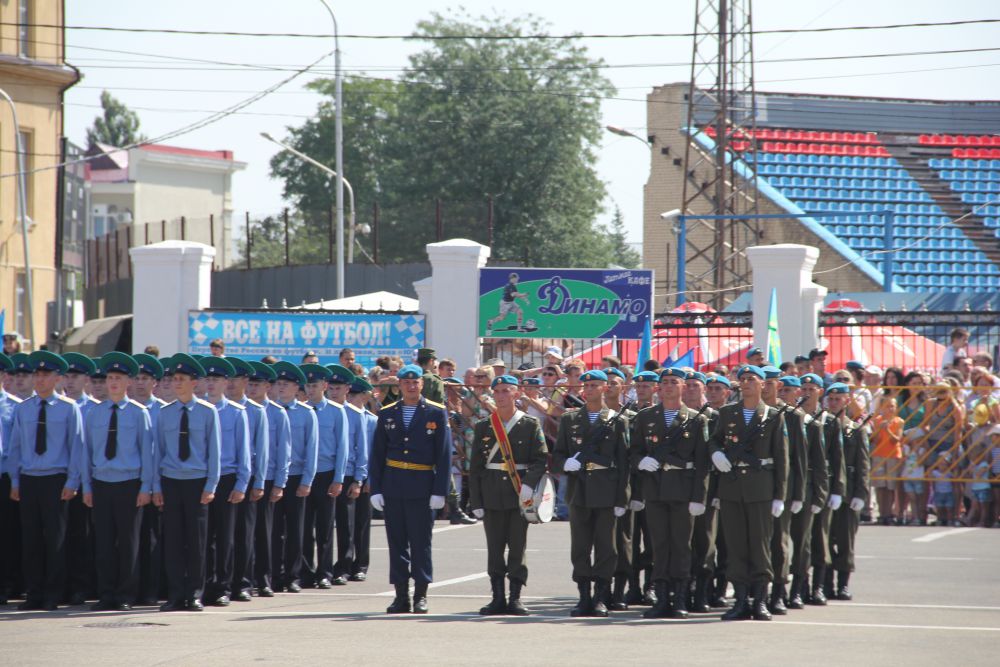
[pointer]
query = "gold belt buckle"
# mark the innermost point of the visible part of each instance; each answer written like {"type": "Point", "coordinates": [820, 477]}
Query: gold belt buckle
{"type": "Point", "coordinates": [591, 466]}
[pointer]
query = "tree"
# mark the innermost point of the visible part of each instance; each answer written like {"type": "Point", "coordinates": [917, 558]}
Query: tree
{"type": "Point", "coordinates": [117, 126]}
{"type": "Point", "coordinates": [472, 117]}
{"type": "Point", "coordinates": [623, 254]}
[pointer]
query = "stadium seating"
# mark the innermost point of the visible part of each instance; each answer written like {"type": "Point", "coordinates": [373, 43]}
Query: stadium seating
{"type": "Point", "coordinates": [854, 175]}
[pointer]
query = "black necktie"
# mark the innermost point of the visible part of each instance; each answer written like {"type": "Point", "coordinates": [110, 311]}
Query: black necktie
{"type": "Point", "coordinates": [185, 441]}
{"type": "Point", "coordinates": [40, 429]}
{"type": "Point", "coordinates": [111, 446]}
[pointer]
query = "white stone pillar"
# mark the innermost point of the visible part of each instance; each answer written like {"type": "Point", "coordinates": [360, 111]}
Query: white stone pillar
{"type": "Point", "coordinates": [787, 267]}
{"type": "Point", "coordinates": [170, 279]}
{"type": "Point", "coordinates": [451, 300]}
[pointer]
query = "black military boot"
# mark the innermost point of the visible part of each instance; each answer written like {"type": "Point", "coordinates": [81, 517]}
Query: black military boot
{"type": "Point", "coordinates": [618, 594]}
{"type": "Point", "coordinates": [599, 609]}
{"type": "Point", "coordinates": [649, 596]}
{"type": "Point", "coordinates": [498, 605]}
{"type": "Point", "coordinates": [679, 607]}
{"type": "Point", "coordinates": [741, 607]}
{"type": "Point", "coordinates": [843, 592]}
{"type": "Point", "coordinates": [717, 597]}
{"type": "Point", "coordinates": [795, 599]}
{"type": "Point", "coordinates": [816, 596]}
{"type": "Point", "coordinates": [634, 595]}
{"type": "Point", "coordinates": [455, 514]}
{"type": "Point", "coordinates": [662, 607]}
{"type": "Point", "coordinates": [777, 603]}
{"type": "Point", "coordinates": [760, 612]}
{"type": "Point", "coordinates": [828, 584]}
{"type": "Point", "coordinates": [420, 597]}
{"type": "Point", "coordinates": [401, 605]}
{"type": "Point", "coordinates": [515, 607]}
{"type": "Point", "coordinates": [586, 603]}
{"type": "Point", "coordinates": [699, 605]}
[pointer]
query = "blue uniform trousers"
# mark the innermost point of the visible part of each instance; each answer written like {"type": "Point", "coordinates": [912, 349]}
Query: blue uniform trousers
{"type": "Point", "coordinates": [185, 532]}
{"type": "Point", "coordinates": [408, 526]}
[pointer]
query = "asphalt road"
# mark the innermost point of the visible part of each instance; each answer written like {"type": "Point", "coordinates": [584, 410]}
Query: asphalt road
{"type": "Point", "coordinates": [923, 596]}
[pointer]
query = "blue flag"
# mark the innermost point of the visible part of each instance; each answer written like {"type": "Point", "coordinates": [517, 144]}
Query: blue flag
{"type": "Point", "coordinates": [3, 318]}
{"type": "Point", "coordinates": [687, 359]}
{"type": "Point", "coordinates": [645, 347]}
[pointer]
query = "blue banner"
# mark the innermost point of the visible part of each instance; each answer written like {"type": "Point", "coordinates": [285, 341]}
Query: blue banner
{"type": "Point", "coordinates": [288, 335]}
{"type": "Point", "coordinates": [564, 303]}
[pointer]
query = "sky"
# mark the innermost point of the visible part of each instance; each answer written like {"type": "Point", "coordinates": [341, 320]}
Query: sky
{"type": "Point", "coordinates": [169, 93]}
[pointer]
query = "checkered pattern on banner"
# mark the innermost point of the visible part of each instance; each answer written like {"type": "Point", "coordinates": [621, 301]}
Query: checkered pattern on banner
{"type": "Point", "coordinates": [413, 328]}
{"type": "Point", "coordinates": [200, 322]}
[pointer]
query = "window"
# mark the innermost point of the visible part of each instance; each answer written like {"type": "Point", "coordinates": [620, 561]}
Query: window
{"type": "Point", "coordinates": [24, 28]}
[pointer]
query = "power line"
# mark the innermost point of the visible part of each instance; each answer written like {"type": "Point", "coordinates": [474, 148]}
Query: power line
{"type": "Point", "coordinates": [493, 36]}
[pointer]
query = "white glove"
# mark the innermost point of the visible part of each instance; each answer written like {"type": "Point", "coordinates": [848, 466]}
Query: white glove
{"type": "Point", "coordinates": [572, 465]}
{"type": "Point", "coordinates": [815, 509]}
{"type": "Point", "coordinates": [636, 505]}
{"type": "Point", "coordinates": [857, 504]}
{"type": "Point", "coordinates": [834, 502]}
{"type": "Point", "coordinates": [479, 514]}
{"type": "Point", "coordinates": [721, 462]}
{"type": "Point", "coordinates": [377, 501]}
{"type": "Point", "coordinates": [526, 493]}
{"type": "Point", "coordinates": [696, 509]}
{"type": "Point", "coordinates": [716, 503]}
{"type": "Point", "coordinates": [796, 506]}
{"type": "Point", "coordinates": [649, 464]}
{"type": "Point", "coordinates": [619, 511]}
{"type": "Point", "coordinates": [437, 502]}
{"type": "Point", "coordinates": [777, 507]}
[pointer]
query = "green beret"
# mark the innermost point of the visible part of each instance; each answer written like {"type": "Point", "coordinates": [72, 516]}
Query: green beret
{"type": "Point", "coordinates": [43, 360]}
{"type": "Point", "coordinates": [21, 362]}
{"type": "Point", "coordinates": [263, 372]}
{"type": "Point", "coordinates": [79, 363]}
{"type": "Point", "coordinates": [186, 364]}
{"type": "Point", "coordinates": [5, 363]}
{"type": "Point", "coordinates": [149, 365]}
{"type": "Point", "coordinates": [119, 362]}
{"type": "Point", "coordinates": [339, 374]}
{"type": "Point", "coordinates": [286, 370]}
{"type": "Point", "coordinates": [217, 367]}
{"type": "Point", "coordinates": [315, 372]}
{"type": "Point", "coordinates": [242, 368]}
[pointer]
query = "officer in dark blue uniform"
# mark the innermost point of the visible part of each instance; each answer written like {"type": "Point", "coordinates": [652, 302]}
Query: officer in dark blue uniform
{"type": "Point", "coordinates": [46, 456]}
{"type": "Point", "coordinates": [10, 521]}
{"type": "Point", "coordinates": [117, 482]}
{"type": "Point", "coordinates": [408, 471]}
{"type": "Point", "coordinates": [187, 461]}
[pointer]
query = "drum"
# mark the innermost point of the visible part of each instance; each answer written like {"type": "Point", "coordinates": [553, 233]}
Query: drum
{"type": "Point", "coordinates": [541, 508]}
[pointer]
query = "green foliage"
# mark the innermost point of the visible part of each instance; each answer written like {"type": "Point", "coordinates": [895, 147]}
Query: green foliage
{"type": "Point", "coordinates": [623, 254]}
{"type": "Point", "coordinates": [469, 119]}
{"type": "Point", "coordinates": [116, 126]}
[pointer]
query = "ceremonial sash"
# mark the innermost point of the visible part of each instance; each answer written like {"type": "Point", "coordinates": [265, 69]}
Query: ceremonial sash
{"type": "Point", "coordinates": [506, 452]}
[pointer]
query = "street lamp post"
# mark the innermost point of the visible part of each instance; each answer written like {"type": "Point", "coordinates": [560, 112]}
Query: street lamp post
{"type": "Point", "coordinates": [339, 150]}
{"type": "Point", "coordinates": [622, 132]}
{"type": "Point", "coordinates": [22, 209]}
{"type": "Point", "coordinates": [350, 197]}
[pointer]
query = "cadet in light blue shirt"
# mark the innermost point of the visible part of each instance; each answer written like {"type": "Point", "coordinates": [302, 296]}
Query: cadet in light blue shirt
{"type": "Point", "coordinates": [235, 477]}
{"type": "Point", "coordinates": [329, 481]}
{"type": "Point", "coordinates": [290, 512]}
{"type": "Point", "coordinates": [349, 504]}
{"type": "Point", "coordinates": [44, 464]}
{"type": "Point", "coordinates": [279, 450]}
{"type": "Point", "coordinates": [7, 404]}
{"type": "Point", "coordinates": [80, 368]}
{"type": "Point", "coordinates": [246, 511]}
{"type": "Point", "coordinates": [10, 524]}
{"type": "Point", "coordinates": [188, 452]}
{"type": "Point", "coordinates": [117, 483]}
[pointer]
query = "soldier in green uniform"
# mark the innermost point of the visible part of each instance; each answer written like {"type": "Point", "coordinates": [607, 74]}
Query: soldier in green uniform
{"type": "Point", "coordinates": [781, 540]}
{"type": "Point", "coordinates": [750, 447]}
{"type": "Point", "coordinates": [433, 384]}
{"type": "Point", "coordinates": [494, 497]}
{"type": "Point", "coordinates": [819, 546]}
{"type": "Point", "coordinates": [625, 526]}
{"type": "Point", "coordinates": [714, 557]}
{"type": "Point", "coordinates": [815, 483]}
{"type": "Point", "coordinates": [670, 453]}
{"type": "Point", "coordinates": [645, 383]}
{"type": "Point", "coordinates": [592, 448]}
{"type": "Point", "coordinates": [844, 525]}
{"type": "Point", "coordinates": [704, 536]}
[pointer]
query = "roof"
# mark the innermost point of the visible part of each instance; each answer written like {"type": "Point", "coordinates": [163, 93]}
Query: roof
{"type": "Point", "coordinates": [189, 152]}
{"type": "Point", "coordinates": [373, 301]}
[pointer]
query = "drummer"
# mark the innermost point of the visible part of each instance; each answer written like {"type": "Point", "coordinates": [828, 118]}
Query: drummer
{"type": "Point", "coordinates": [505, 440]}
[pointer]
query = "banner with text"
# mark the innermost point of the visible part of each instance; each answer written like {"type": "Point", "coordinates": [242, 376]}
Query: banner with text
{"type": "Point", "coordinates": [564, 303]}
{"type": "Point", "coordinates": [287, 335]}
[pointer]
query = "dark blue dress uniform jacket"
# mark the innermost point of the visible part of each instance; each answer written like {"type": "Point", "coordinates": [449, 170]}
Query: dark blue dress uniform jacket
{"type": "Point", "coordinates": [427, 441]}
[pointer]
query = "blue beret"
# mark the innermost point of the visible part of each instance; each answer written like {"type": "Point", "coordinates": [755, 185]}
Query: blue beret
{"type": "Point", "coordinates": [218, 367]}
{"type": "Point", "coordinates": [43, 360]}
{"type": "Point", "coordinates": [790, 381]}
{"type": "Point", "coordinates": [838, 388]}
{"type": "Point", "coordinates": [451, 381]}
{"type": "Point", "coordinates": [503, 379]}
{"type": "Point", "coordinates": [594, 376]}
{"type": "Point", "coordinates": [646, 376]}
{"type": "Point", "coordinates": [286, 370]}
{"type": "Point", "coordinates": [186, 364]}
{"type": "Point", "coordinates": [79, 363]}
{"type": "Point", "coordinates": [854, 365]}
{"type": "Point", "coordinates": [750, 369]}
{"type": "Point", "coordinates": [673, 372]}
{"type": "Point", "coordinates": [771, 372]}
{"type": "Point", "coordinates": [615, 371]}
{"type": "Point", "coordinates": [720, 379]}
{"type": "Point", "coordinates": [262, 372]}
{"type": "Point", "coordinates": [532, 381]}
{"type": "Point", "coordinates": [697, 375]}
{"type": "Point", "coordinates": [119, 362]}
{"type": "Point", "coordinates": [754, 351]}
{"type": "Point", "coordinates": [339, 374]}
{"type": "Point", "coordinates": [811, 378]}
{"type": "Point", "coordinates": [315, 372]}
{"type": "Point", "coordinates": [410, 372]}
{"type": "Point", "coordinates": [149, 365]}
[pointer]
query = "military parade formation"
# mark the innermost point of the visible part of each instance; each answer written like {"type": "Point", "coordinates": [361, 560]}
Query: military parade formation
{"type": "Point", "coordinates": [209, 480]}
